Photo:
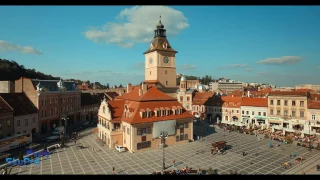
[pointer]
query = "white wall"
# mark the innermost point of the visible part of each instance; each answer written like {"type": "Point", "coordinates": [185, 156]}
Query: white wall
{"type": "Point", "coordinates": [22, 126]}
{"type": "Point", "coordinates": [256, 110]}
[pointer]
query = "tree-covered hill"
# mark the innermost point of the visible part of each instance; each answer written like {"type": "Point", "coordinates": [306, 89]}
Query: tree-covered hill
{"type": "Point", "coordinates": [11, 70]}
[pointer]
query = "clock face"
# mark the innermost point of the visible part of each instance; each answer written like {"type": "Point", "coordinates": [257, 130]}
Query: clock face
{"type": "Point", "coordinates": [150, 60]}
{"type": "Point", "coordinates": [165, 59]}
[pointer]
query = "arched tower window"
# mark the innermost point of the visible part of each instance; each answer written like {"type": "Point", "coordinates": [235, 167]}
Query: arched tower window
{"type": "Point", "coordinates": [166, 72]}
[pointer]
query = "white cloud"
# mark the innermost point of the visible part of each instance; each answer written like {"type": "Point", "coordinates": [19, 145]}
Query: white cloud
{"type": "Point", "coordinates": [233, 66]}
{"type": "Point", "coordinates": [284, 60]}
{"type": "Point", "coordinates": [6, 46]}
{"type": "Point", "coordinates": [249, 69]}
{"type": "Point", "coordinates": [188, 67]}
{"type": "Point", "coordinates": [137, 25]}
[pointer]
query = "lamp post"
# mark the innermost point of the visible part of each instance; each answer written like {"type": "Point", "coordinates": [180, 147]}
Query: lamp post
{"type": "Point", "coordinates": [163, 137]}
{"type": "Point", "coordinates": [65, 125]}
{"type": "Point", "coordinates": [309, 136]}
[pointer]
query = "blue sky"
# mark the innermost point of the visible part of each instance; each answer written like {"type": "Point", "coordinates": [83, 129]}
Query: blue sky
{"type": "Point", "coordinates": [267, 44]}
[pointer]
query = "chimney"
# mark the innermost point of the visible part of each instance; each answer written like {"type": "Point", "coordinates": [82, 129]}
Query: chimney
{"type": "Point", "coordinates": [248, 94]}
{"type": "Point", "coordinates": [129, 87]}
{"type": "Point", "coordinates": [144, 88]}
{"type": "Point", "coordinates": [140, 92]}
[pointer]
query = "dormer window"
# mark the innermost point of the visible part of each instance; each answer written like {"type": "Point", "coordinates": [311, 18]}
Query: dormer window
{"type": "Point", "coordinates": [142, 113]}
{"type": "Point", "coordinates": [174, 110]}
{"type": "Point", "coordinates": [227, 104]}
{"type": "Point", "coordinates": [167, 111]}
{"type": "Point", "coordinates": [234, 104]}
{"type": "Point", "coordinates": [156, 112]}
{"type": "Point", "coordinates": [165, 45]}
{"type": "Point", "coordinates": [149, 113]}
{"type": "Point", "coordinates": [163, 111]}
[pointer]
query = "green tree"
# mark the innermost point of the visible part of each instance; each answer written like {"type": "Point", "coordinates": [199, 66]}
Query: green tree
{"type": "Point", "coordinates": [21, 156]}
{"type": "Point", "coordinates": [45, 146]}
{"type": "Point", "coordinates": [108, 86]}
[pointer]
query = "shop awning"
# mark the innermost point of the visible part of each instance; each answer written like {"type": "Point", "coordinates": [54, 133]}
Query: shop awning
{"type": "Point", "coordinates": [275, 121]}
{"type": "Point", "coordinates": [308, 133]}
{"type": "Point", "coordinates": [289, 130]}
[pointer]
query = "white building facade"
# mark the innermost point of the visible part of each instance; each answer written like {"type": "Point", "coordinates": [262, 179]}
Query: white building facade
{"type": "Point", "coordinates": [26, 124]}
{"type": "Point", "coordinates": [254, 115]}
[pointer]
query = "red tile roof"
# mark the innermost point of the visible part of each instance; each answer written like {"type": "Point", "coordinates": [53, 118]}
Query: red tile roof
{"type": "Point", "coordinates": [315, 97]}
{"type": "Point", "coordinates": [152, 99]}
{"type": "Point", "coordinates": [4, 106]}
{"type": "Point", "coordinates": [256, 102]}
{"type": "Point", "coordinates": [20, 103]}
{"type": "Point", "coordinates": [202, 98]}
{"type": "Point", "coordinates": [231, 102]}
{"type": "Point", "coordinates": [287, 93]}
{"type": "Point", "coordinates": [116, 108]}
{"type": "Point", "coordinates": [314, 104]}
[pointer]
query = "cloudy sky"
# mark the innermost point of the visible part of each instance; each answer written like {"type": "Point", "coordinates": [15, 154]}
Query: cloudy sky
{"type": "Point", "coordinates": [277, 45]}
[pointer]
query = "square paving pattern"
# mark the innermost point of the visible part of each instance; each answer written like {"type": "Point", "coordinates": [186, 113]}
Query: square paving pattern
{"type": "Point", "coordinates": [90, 157]}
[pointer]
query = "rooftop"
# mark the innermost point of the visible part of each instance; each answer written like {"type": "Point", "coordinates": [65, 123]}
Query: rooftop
{"type": "Point", "coordinates": [4, 107]}
{"type": "Point", "coordinates": [256, 102]}
{"type": "Point", "coordinates": [20, 103]}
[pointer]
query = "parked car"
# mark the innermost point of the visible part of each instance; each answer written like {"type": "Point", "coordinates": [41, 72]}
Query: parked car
{"type": "Point", "coordinates": [86, 123]}
{"type": "Point", "coordinates": [52, 138]}
{"type": "Point", "coordinates": [120, 148]}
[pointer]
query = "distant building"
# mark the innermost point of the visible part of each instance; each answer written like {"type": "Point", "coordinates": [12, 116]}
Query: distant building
{"type": "Point", "coordinates": [55, 99]}
{"type": "Point", "coordinates": [6, 87]}
{"type": "Point", "coordinates": [25, 113]}
{"type": "Point", "coordinates": [225, 86]}
{"type": "Point", "coordinates": [89, 107]}
{"type": "Point", "coordinates": [185, 95]}
{"type": "Point", "coordinates": [254, 111]}
{"type": "Point", "coordinates": [200, 104]}
{"type": "Point", "coordinates": [309, 86]}
{"type": "Point", "coordinates": [192, 83]}
{"type": "Point", "coordinates": [313, 115]}
{"type": "Point", "coordinates": [6, 119]}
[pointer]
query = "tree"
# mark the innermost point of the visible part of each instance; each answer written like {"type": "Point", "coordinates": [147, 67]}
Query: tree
{"type": "Point", "coordinates": [21, 156]}
{"type": "Point", "coordinates": [108, 86]}
{"type": "Point", "coordinates": [115, 86]}
{"type": "Point", "coordinates": [120, 86]}
{"type": "Point", "coordinates": [45, 147]}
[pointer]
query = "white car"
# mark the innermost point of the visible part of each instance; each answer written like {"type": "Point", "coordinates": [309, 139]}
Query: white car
{"type": "Point", "coordinates": [120, 148]}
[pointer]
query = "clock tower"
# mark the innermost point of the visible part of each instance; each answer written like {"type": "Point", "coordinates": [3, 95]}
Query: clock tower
{"type": "Point", "coordinates": [160, 60]}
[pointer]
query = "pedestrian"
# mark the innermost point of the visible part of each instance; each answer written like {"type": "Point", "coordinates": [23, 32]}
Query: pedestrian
{"type": "Point", "coordinates": [93, 149]}
{"type": "Point", "coordinates": [290, 155]}
{"type": "Point", "coordinates": [174, 163]}
{"type": "Point", "coordinates": [113, 171]}
{"type": "Point", "coordinates": [75, 141]}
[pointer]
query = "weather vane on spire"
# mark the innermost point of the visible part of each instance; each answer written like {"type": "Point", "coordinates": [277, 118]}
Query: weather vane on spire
{"type": "Point", "coordinates": [160, 17]}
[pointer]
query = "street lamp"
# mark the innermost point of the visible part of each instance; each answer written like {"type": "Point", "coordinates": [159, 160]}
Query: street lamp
{"type": "Point", "coordinates": [309, 135]}
{"type": "Point", "coordinates": [163, 137]}
{"type": "Point", "coordinates": [65, 126]}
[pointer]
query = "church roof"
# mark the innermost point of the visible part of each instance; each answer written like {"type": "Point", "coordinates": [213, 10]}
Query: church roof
{"type": "Point", "coordinates": [158, 45]}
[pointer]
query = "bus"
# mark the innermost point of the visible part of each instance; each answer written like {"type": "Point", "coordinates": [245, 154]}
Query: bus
{"type": "Point", "coordinates": [15, 141]}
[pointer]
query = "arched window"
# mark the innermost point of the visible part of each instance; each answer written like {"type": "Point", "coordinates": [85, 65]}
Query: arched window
{"type": "Point", "coordinates": [166, 72]}
{"type": "Point", "coordinates": [104, 109]}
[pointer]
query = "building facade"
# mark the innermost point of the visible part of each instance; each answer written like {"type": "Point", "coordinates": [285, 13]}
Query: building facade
{"type": "Point", "coordinates": [89, 107]}
{"type": "Point", "coordinates": [200, 105]}
{"type": "Point", "coordinates": [226, 87]}
{"type": "Point", "coordinates": [313, 116]}
{"type": "Point", "coordinates": [185, 95]}
{"type": "Point", "coordinates": [25, 113]}
{"type": "Point", "coordinates": [254, 111]}
{"type": "Point", "coordinates": [287, 110]}
{"type": "Point", "coordinates": [231, 108]}
{"type": "Point", "coordinates": [6, 119]}
{"type": "Point", "coordinates": [136, 119]}
{"type": "Point", "coordinates": [56, 101]}
{"type": "Point", "coordinates": [6, 87]}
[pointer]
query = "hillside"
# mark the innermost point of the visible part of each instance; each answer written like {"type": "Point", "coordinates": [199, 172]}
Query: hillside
{"type": "Point", "coordinates": [11, 70]}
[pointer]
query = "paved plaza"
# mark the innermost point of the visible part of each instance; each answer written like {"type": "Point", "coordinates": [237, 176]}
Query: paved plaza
{"type": "Point", "coordinates": [84, 160]}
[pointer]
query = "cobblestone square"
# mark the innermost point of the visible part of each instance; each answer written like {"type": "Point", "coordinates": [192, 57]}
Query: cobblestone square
{"type": "Point", "coordinates": [76, 160]}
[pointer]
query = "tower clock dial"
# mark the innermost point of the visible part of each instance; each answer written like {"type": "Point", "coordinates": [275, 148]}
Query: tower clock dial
{"type": "Point", "coordinates": [150, 60]}
{"type": "Point", "coordinates": [165, 59]}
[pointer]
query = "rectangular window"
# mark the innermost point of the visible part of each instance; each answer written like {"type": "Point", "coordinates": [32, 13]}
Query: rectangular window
{"type": "Point", "coordinates": [26, 122]}
{"type": "Point", "coordinates": [128, 131]}
{"type": "Point", "coordinates": [181, 98]}
{"type": "Point", "coordinates": [181, 137]}
{"type": "Point", "coordinates": [271, 112]}
{"type": "Point", "coordinates": [313, 117]}
{"type": "Point", "coordinates": [301, 103]}
{"type": "Point", "coordinates": [242, 112]}
{"type": "Point", "coordinates": [232, 111]}
{"type": "Point", "coordinates": [177, 138]}
{"type": "Point", "coordinates": [286, 112]}
{"type": "Point", "coordinates": [259, 113]}
{"type": "Point", "coordinates": [286, 102]}
{"type": "Point", "coordinates": [247, 112]}
{"type": "Point", "coordinates": [188, 98]}
{"type": "Point", "coordinates": [278, 102]}
{"type": "Point", "coordinates": [293, 113]}
{"type": "Point", "coordinates": [264, 114]}
{"type": "Point", "coordinates": [124, 129]}
{"type": "Point", "coordinates": [9, 123]}
{"type": "Point", "coordinates": [186, 136]}
{"type": "Point", "coordinates": [139, 132]}
{"type": "Point", "coordinates": [18, 122]}
{"type": "Point", "coordinates": [252, 113]}
{"type": "Point", "coordinates": [186, 125]}
{"type": "Point", "coordinates": [278, 112]}
{"type": "Point", "coordinates": [301, 114]}
{"type": "Point", "coordinates": [237, 111]}
{"type": "Point", "coordinates": [293, 103]}
{"type": "Point", "coordinates": [271, 102]}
